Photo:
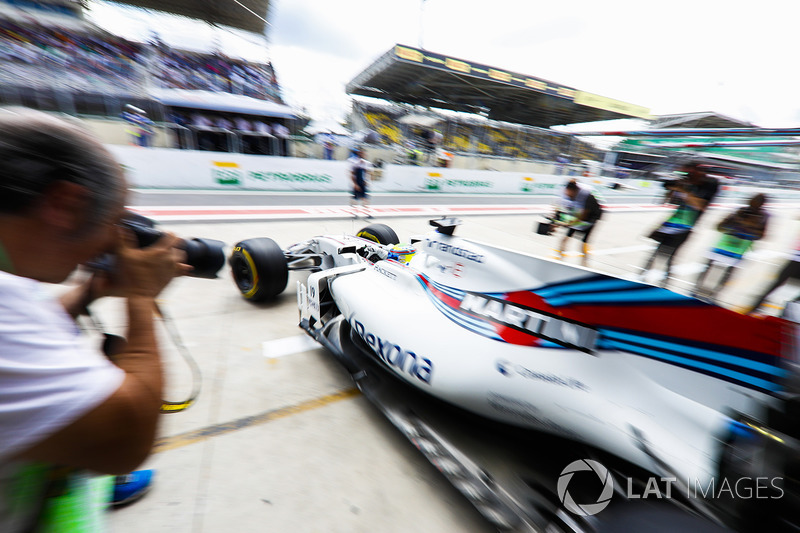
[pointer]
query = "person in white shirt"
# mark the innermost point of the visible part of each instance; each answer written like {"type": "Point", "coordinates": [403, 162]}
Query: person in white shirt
{"type": "Point", "coordinates": [65, 410]}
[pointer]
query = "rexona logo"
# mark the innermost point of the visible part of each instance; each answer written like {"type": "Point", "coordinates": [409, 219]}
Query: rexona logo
{"type": "Point", "coordinates": [591, 508]}
{"type": "Point", "coordinates": [396, 356]}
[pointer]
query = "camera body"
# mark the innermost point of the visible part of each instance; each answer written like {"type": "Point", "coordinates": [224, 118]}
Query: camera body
{"type": "Point", "coordinates": [205, 256]}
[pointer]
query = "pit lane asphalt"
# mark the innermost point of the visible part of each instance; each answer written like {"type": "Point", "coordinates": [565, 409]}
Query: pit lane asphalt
{"type": "Point", "coordinates": [279, 440]}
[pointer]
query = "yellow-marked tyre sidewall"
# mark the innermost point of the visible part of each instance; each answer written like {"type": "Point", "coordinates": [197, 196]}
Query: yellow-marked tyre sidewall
{"type": "Point", "coordinates": [366, 235]}
{"type": "Point", "coordinates": [249, 260]}
{"type": "Point", "coordinates": [259, 268]}
{"type": "Point", "coordinates": [380, 233]}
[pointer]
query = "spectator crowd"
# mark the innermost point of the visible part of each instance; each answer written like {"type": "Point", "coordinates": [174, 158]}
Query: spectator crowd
{"type": "Point", "coordinates": [89, 60]}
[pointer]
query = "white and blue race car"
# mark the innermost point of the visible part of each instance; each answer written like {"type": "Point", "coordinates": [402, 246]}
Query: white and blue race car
{"type": "Point", "coordinates": [666, 394]}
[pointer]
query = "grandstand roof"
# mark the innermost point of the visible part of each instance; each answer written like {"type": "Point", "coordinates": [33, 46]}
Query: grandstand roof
{"type": "Point", "coordinates": [248, 15]}
{"type": "Point", "coordinates": [705, 119]}
{"type": "Point", "coordinates": [222, 102]}
{"type": "Point", "coordinates": [419, 77]}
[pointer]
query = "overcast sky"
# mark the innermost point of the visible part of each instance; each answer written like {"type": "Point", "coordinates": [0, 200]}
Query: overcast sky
{"type": "Point", "coordinates": [735, 58]}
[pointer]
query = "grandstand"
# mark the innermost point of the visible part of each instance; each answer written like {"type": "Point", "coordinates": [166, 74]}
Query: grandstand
{"type": "Point", "coordinates": [403, 128]}
{"type": "Point", "coordinates": [488, 113]}
{"type": "Point", "coordinates": [480, 110]}
{"type": "Point", "coordinates": [53, 59]}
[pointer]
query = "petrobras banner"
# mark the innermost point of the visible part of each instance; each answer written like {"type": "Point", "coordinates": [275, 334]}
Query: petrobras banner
{"type": "Point", "coordinates": [167, 168]}
{"type": "Point", "coordinates": [190, 169]}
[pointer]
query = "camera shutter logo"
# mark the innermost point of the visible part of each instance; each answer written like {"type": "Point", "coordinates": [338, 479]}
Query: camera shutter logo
{"type": "Point", "coordinates": [586, 509]}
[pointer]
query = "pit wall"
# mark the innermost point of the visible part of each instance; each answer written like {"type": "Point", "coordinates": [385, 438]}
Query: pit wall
{"type": "Point", "coordinates": [167, 168]}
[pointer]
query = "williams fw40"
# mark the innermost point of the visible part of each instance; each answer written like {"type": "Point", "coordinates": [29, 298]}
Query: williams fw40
{"type": "Point", "coordinates": [552, 396]}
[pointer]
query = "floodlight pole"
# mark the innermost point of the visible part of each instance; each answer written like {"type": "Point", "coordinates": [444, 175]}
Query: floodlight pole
{"type": "Point", "coordinates": [421, 23]}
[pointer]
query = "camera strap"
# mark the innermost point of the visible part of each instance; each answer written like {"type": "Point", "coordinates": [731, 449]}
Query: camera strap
{"type": "Point", "coordinates": [176, 340]}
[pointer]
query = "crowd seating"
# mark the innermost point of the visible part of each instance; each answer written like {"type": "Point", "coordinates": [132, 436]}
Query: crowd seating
{"type": "Point", "coordinates": [44, 56]}
{"type": "Point", "coordinates": [214, 72]}
{"type": "Point", "coordinates": [87, 60]}
{"type": "Point", "coordinates": [384, 122]}
{"type": "Point", "coordinates": [464, 134]}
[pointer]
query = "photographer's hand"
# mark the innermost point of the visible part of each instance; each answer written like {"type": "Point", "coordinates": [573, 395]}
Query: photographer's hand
{"type": "Point", "coordinates": [145, 271]}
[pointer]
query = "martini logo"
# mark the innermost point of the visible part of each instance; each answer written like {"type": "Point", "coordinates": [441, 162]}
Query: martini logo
{"type": "Point", "coordinates": [522, 318]}
{"type": "Point", "coordinates": [590, 508]}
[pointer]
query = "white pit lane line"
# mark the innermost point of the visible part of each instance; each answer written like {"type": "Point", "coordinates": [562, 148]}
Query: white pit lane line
{"type": "Point", "coordinates": [288, 346]}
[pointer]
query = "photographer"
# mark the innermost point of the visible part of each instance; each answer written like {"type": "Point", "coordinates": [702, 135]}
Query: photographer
{"type": "Point", "coordinates": [692, 195]}
{"type": "Point", "coordinates": [579, 213]}
{"type": "Point", "coordinates": [65, 409]}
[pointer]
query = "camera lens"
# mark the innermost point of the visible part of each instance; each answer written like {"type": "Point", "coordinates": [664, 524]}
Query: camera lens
{"type": "Point", "coordinates": [206, 256]}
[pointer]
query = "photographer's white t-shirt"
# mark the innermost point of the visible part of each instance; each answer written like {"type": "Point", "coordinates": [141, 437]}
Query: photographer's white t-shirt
{"type": "Point", "coordinates": [49, 377]}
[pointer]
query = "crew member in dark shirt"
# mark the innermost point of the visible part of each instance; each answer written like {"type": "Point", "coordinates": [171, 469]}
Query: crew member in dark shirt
{"type": "Point", "coordinates": [692, 195]}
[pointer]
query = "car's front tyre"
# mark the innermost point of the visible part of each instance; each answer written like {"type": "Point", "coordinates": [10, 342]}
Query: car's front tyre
{"type": "Point", "coordinates": [380, 233]}
{"type": "Point", "coordinates": [259, 268]}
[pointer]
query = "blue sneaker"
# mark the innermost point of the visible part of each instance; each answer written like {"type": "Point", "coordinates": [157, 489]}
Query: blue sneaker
{"type": "Point", "coordinates": [131, 487]}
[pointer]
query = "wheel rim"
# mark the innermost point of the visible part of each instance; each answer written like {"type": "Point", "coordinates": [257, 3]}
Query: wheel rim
{"type": "Point", "coordinates": [242, 274]}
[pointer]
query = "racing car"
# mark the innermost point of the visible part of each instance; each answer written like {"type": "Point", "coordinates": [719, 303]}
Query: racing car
{"type": "Point", "coordinates": [660, 387]}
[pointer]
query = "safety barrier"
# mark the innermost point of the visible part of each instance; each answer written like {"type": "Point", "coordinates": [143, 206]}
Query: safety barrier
{"type": "Point", "coordinates": [190, 169]}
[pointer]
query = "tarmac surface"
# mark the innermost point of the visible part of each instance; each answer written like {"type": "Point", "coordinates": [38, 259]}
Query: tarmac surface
{"type": "Point", "coordinates": [279, 439]}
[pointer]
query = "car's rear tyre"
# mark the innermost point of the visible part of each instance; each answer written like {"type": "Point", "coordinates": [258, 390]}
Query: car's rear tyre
{"type": "Point", "coordinates": [259, 269]}
{"type": "Point", "coordinates": [380, 233]}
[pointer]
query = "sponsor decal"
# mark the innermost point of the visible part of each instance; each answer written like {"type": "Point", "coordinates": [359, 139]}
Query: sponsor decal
{"type": "Point", "coordinates": [395, 356]}
{"type": "Point", "coordinates": [468, 183]}
{"type": "Point", "coordinates": [226, 173]}
{"type": "Point", "coordinates": [528, 185]}
{"type": "Point", "coordinates": [455, 64]}
{"type": "Point", "coordinates": [408, 53]}
{"type": "Point", "coordinates": [509, 369]}
{"type": "Point", "coordinates": [545, 326]}
{"type": "Point", "coordinates": [388, 273]}
{"type": "Point", "coordinates": [435, 182]}
{"type": "Point", "coordinates": [525, 412]}
{"type": "Point", "coordinates": [455, 269]}
{"type": "Point", "coordinates": [499, 75]}
{"type": "Point", "coordinates": [536, 84]}
{"type": "Point", "coordinates": [294, 177]}
{"type": "Point", "coordinates": [455, 250]}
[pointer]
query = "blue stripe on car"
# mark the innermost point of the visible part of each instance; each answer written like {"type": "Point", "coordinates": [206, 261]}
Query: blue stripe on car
{"type": "Point", "coordinates": [698, 352]}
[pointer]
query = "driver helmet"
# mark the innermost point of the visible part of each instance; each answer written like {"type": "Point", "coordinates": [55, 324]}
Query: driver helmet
{"type": "Point", "coordinates": [402, 253]}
